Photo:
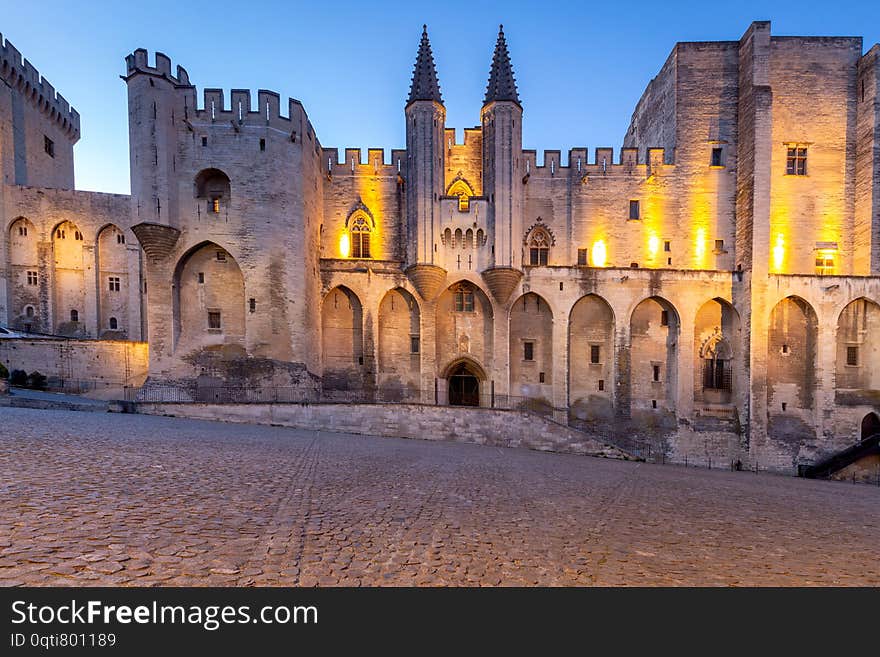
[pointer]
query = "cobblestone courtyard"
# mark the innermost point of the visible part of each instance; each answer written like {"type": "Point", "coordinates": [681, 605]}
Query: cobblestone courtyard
{"type": "Point", "coordinates": [106, 499]}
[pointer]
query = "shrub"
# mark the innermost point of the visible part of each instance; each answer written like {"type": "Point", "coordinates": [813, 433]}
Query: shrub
{"type": "Point", "coordinates": [4, 373]}
{"type": "Point", "coordinates": [37, 381]}
{"type": "Point", "coordinates": [18, 378]}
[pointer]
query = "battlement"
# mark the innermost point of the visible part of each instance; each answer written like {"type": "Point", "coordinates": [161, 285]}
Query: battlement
{"type": "Point", "coordinates": [20, 74]}
{"type": "Point", "coordinates": [354, 162]}
{"type": "Point", "coordinates": [469, 135]}
{"type": "Point", "coordinates": [137, 62]}
{"type": "Point", "coordinates": [602, 163]}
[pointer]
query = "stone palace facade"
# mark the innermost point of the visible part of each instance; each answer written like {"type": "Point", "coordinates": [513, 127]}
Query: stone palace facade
{"type": "Point", "coordinates": [712, 287]}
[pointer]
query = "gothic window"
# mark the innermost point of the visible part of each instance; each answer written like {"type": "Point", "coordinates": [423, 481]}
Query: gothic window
{"type": "Point", "coordinates": [120, 238]}
{"type": "Point", "coordinates": [796, 160]}
{"type": "Point", "coordinates": [359, 227]}
{"type": "Point", "coordinates": [717, 374]}
{"type": "Point", "coordinates": [539, 248]}
{"type": "Point", "coordinates": [464, 299]}
{"type": "Point", "coordinates": [74, 316]}
{"type": "Point", "coordinates": [463, 192]}
{"type": "Point", "coordinates": [22, 231]}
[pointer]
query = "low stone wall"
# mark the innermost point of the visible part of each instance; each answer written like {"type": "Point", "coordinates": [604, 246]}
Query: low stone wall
{"type": "Point", "coordinates": [93, 367]}
{"type": "Point", "coordinates": [482, 426]}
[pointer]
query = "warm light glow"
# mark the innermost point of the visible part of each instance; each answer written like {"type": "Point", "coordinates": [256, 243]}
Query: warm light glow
{"type": "Point", "coordinates": [653, 246]}
{"type": "Point", "coordinates": [344, 246]}
{"type": "Point", "coordinates": [700, 246]}
{"type": "Point", "coordinates": [779, 253]}
{"type": "Point", "coordinates": [598, 254]}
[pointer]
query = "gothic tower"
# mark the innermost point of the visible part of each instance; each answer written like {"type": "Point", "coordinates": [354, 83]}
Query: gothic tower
{"type": "Point", "coordinates": [502, 160]}
{"type": "Point", "coordinates": [425, 125]}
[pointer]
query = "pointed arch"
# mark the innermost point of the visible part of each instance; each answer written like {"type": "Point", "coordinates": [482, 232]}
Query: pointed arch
{"type": "Point", "coordinates": [463, 190]}
{"type": "Point", "coordinates": [68, 276]}
{"type": "Point", "coordinates": [464, 324]}
{"type": "Point", "coordinates": [208, 301]}
{"type": "Point", "coordinates": [591, 360]}
{"type": "Point", "coordinates": [112, 279]}
{"type": "Point", "coordinates": [399, 346]}
{"type": "Point", "coordinates": [858, 346]}
{"type": "Point", "coordinates": [717, 352]}
{"type": "Point", "coordinates": [214, 187]}
{"type": "Point", "coordinates": [342, 340]}
{"type": "Point", "coordinates": [531, 347]}
{"type": "Point", "coordinates": [23, 279]}
{"type": "Point", "coordinates": [653, 357]}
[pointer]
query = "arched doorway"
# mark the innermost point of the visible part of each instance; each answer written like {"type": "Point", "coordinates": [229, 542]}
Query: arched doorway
{"type": "Point", "coordinates": [464, 385]}
{"type": "Point", "coordinates": [870, 425]}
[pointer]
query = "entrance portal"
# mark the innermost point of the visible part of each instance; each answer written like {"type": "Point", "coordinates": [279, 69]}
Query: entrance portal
{"type": "Point", "coordinates": [870, 425]}
{"type": "Point", "coordinates": [464, 387]}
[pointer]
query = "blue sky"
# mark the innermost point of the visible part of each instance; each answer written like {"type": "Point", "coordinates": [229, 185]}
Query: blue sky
{"type": "Point", "coordinates": [581, 66]}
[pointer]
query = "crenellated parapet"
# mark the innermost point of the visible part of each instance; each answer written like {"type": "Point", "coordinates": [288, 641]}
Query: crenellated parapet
{"type": "Point", "coordinates": [137, 62]}
{"type": "Point", "coordinates": [354, 164]}
{"type": "Point", "coordinates": [602, 163]}
{"type": "Point", "coordinates": [20, 74]}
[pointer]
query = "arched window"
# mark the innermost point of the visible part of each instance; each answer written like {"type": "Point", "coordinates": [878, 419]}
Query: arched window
{"type": "Point", "coordinates": [213, 186]}
{"type": "Point", "coordinates": [113, 324]}
{"type": "Point", "coordinates": [539, 248]}
{"type": "Point", "coordinates": [463, 295]}
{"type": "Point", "coordinates": [717, 374]}
{"type": "Point", "coordinates": [29, 311]}
{"type": "Point", "coordinates": [463, 191]}
{"type": "Point", "coordinates": [74, 316]}
{"type": "Point", "coordinates": [359, 227]}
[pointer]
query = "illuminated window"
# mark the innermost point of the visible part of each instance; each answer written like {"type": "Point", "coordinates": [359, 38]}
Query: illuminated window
{"type": "Point", "coordinates": [464, 299]}
{"type": "Point", "coordinates": [215, 205]}
{"type": "Point", "coordinates": [528, 351]}
{"type": "Point", "coordinates": [796, 161]}
{"type": "Point", "coordinates": [539, 248]}
{"type": "Point", "coordinates": [214, 319]}
{"type": "Point", "coordinates": [634, 210]}
{"type": "Point", "coordinates": [32, 278]}
{"type": "Point", "coordinates": [463, 192]}
{"type": "Point", "coordinates": [213, 186]}
{"type": "Point", "coordinates": [360, 237]}
{"type": "Point", "coordinates": [825, 263]}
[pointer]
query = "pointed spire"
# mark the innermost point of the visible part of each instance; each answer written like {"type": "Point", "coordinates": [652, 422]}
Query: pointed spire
{"type": "Point", "coordinates": [424, 79]}
{"type": "Point", "coordinates": [502, 85]}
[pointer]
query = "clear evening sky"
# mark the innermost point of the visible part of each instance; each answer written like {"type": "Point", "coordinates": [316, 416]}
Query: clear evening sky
{"type": "Point", "coordinates": [580, 66]}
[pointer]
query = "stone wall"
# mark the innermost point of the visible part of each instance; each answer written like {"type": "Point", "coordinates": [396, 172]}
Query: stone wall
{"type": "Point", "coordinates": [468, 425]}
{"type": "Point", "coordinates": [90, 365]}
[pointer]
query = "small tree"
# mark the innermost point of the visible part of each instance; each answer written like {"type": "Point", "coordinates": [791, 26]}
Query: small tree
{"type": "Point", "coordinates": [18, 378]}
{"type": "Point", "coordinates": [37, 381]}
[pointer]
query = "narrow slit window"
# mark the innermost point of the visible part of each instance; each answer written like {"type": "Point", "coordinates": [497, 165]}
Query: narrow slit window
{"type": "Point", "coordinates": [634, 213]}
{"type": "Point", "coordinates": [595, 352]}
{"type": "Point", "coordinates": [528, 351]}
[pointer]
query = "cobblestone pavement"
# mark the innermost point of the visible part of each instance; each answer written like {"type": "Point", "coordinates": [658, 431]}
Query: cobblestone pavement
{"type": "Point", "coordinates": [106, 499]}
